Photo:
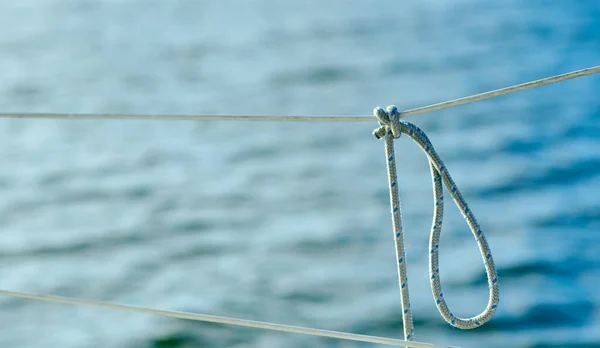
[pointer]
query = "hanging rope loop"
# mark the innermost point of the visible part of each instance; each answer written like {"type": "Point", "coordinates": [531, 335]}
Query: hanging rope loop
{"type": "Point", "coordinates": [391, 127]}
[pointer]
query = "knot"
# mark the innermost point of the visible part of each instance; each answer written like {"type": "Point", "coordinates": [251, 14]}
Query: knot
{"type": "Point", "coordinates": [389, 121]}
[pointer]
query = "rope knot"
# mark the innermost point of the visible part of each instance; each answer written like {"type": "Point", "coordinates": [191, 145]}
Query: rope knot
{"type": "Point", "coordinates": [389, 121]}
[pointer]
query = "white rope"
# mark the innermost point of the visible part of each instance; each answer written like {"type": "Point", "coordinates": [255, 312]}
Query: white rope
{"type": "Point", "coordinates": [262, 118]}
{"type": "Point", "coordinates": [222, 320]}
{"type": "Point", "coordinates": [391, 128]}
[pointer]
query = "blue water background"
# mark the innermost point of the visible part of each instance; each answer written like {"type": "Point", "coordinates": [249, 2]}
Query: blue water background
{"type": "Point", "coordinates": [290, 223]}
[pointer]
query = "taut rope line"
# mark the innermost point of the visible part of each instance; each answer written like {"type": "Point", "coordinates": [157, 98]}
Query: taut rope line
{"type": "Point", "coordinates": [221, 320]}
{"type": "Point", "coordinates": [263, 118]}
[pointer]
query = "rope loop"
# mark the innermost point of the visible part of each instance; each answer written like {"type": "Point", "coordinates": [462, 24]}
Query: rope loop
{"type": "Point", "coordinates": [391, 127]}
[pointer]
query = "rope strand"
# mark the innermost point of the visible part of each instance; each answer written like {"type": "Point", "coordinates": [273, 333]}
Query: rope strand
{"type": "Point", "coordinates": [394, 131]}
{"type": "Point", "coordinates": [263, 118]}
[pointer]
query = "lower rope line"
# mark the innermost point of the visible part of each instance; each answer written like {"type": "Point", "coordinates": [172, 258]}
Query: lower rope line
{"type": "Point", "coordinates": [391, 128]}
{"type": "Point", "coordinates": [222, 320]}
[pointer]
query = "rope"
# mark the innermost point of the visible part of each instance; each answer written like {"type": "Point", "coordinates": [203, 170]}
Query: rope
{"type": "Point", "coordinates": [391, 128]}
{"type": "Point", "coordinates": [222, 320]}
{"type": "Point", "coordinates": [411, 112]}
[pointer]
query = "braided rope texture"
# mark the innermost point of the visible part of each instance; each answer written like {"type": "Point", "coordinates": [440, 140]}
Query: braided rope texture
{"type": "Point", "coordinates": [391, 128]}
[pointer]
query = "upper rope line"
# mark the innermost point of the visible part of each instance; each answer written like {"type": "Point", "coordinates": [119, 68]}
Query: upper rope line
{"type": "Point", "coordinates": [221, 320]}
{"type": "Point", "coordinates": [392, 128]}
{"type": "Point", "coordinates": [264, 118]}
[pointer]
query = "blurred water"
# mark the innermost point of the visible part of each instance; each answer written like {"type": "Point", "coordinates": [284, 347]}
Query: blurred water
{"type": "Point", "coordinates": [289, 223]}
